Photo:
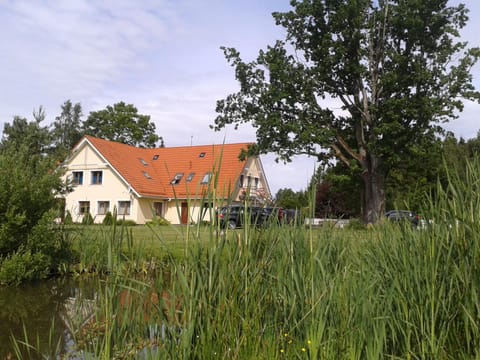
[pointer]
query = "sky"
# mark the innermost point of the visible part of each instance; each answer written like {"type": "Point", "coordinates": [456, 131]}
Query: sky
{"type": "Point", "coordinates": [162, 56]}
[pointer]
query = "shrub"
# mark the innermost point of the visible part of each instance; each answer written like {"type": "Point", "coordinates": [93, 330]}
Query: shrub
{"type": "Point", "coordinates": [108, 219]}
{"type": "Point", "coordinates": [87, 219]}
{"type": "Point", "coordinates": [126, 222]}
{"type": "Point", "coordinates": [23, 266]}
{"type": "Point", "coordinates": [158, 221]}
{"type": "Point", "coordinates": [68, 218]}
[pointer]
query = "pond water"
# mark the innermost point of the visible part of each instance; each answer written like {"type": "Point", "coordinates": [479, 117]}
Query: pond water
{"type": "Point", "coordinates": [30, 310]}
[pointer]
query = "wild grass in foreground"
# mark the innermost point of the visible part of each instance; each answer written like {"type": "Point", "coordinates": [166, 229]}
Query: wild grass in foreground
{"type": "Point", "coordinates": [390, 292]}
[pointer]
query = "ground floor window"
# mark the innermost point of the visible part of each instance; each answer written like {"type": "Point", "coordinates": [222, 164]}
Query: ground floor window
{"type": "Point", "coordinates": [158, 208]}
{"type": "Point", "coordinates": [83, 207]}
{"type": "Point", "coordinates": [103, 207]}
{"type": "Point", "coordinates": [124, 208]}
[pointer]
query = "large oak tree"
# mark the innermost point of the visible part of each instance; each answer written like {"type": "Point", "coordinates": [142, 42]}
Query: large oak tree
{"type": "Point", "coordinates": [396, 69]}
{"type": "Point", "coordinates": [122, 122]}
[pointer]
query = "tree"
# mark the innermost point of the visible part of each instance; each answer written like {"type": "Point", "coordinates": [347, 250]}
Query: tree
{"type": "Point", "coordinates": [30, 245]}
{"type": "Point", "coordinates": [67, 128]}
{"type": "Point", "coordinates": [33, 135]}
{"type": "Point", "coordinates": [394, 69]}
{"type": "Point", "coordinates": [289, 199]}
{"type": "Point", "coordinates": [121, 122]}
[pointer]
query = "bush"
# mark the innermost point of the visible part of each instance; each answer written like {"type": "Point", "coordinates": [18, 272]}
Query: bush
{"type": "Point", "coordinates": [126, 222]}
{"type": "Point", "coordinates": [158, 221]}
{"type": "Point", "coordinates": [87, 219]}
{"type": "Point", "coordinates": [24, 266]}
{"type": "Point", "coordinates": [108, 219]}
{"type": "Point", "coordinates": [68, 218]}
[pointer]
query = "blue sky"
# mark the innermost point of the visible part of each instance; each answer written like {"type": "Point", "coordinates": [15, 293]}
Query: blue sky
{"type": "Point", "coordinates": [163, 56]}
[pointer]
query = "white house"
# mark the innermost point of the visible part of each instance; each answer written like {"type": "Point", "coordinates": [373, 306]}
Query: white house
{"type": "Point", "coordinates": [179, 184]}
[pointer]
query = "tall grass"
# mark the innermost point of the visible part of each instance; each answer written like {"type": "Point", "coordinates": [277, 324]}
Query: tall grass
{"type": "Point", "coordinates": [391, 292]}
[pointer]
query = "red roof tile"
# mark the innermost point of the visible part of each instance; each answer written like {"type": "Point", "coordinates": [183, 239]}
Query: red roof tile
{"type": "Point", "coordinates": [150, 171]}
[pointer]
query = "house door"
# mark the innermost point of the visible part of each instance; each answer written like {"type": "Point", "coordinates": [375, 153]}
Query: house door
{"type": "Point", "coordinates": [184, 213]}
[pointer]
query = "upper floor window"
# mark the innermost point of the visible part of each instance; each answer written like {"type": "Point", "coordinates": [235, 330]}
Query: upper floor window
{"type": "Point", "coordinates": [77, 177]}
{"type": "Point", "coordinates": [242, 178]}
{"type": "Point", "coordinates": [97, 177]}
{"type": "Point", "coordinates": [124, 208]}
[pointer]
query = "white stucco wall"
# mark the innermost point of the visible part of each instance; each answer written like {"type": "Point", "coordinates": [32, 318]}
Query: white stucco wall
{"type": "Point", "coordinates": [112, 189]}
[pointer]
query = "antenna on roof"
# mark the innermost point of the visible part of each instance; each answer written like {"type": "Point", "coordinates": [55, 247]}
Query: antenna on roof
{"type": "Point", "coordinates": [191, 140]}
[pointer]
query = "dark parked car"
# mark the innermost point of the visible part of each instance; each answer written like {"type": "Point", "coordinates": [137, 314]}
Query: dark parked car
{"type": "Point", "coordinates": [234, 216]}
{"type": "Point", "coordinates": [403, 215]}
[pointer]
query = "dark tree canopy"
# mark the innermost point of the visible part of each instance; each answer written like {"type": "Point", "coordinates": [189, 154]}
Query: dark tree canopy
{"type": "Point", "coordinates": [122, 122]}
{"type": "Point", "coordinates": [363, 81]}
{"type": "Point", "coordinates": [67, 127]}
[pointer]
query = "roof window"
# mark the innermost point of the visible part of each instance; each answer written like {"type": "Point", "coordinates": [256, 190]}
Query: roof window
{"type": "Point", "coordinates": [143, 162]}
{"type": "Point", "coordinates": [206, 178]}
{"type": "Point", "coordinates": [190, 177]}
{"type": "Point", "coordinates": [202, 155]}
{"type": "Point", "coordinates": [155, 157]}
{"type": "Point", "coordinates": [147, 175]}
{"type": "Point", "coordinates": [176, 179]}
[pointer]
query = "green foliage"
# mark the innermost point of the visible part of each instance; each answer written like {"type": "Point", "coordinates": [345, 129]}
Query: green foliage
{"type": "Point", "coordinates": [29, 240]}
{"type": "Point", "coordinates": [160, 221]}
{"type": "Point", "coordinates": [108, 219]}
{"type": "Point", "coordinates": [122, 123]}
{"type": "Point", "coordinates": [289, 199]}
{"type": "Point", "coordinates": [125, 222]}
{"type": "Point", "coordinates": [68, 218]}
{"type": "Point", "coordinates": [394, 81]}
{"type": "Point", "coordinates": [27, 189]}
{"type": "Point", "coordinates": [87, 219]}
{"type": "Point", "coordinates": [66, 130]}
{"type": "Point", "coordinates": [30, 136]}
{"type": "Point", "coordinates": [23, 266]}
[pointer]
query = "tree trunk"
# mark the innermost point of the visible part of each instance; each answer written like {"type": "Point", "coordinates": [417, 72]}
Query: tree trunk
{"type": "Point", "coordinates": [374, 191]}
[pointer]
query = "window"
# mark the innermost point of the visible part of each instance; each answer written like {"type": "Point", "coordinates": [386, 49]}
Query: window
{"type": "Point", "coordinates": [202, 155]}
{"type": "Point", "coordinates": [176, 179]}
{"type": "Point", "coordinates": [190, 177]}
{"type": "Point", "coordinates": [241, 180]}
{"type": "Point", "coordinates": [155, 157]}
{"type": "Point", "coordinates": [256, 182]}
{"type": "Point", "coordinates": [124, 208]}
{"type": "Point", "coordinates": [77, 177]}
{"type": "Point", "coordinates": [206, 178]}
{"type": "Point", "coordinates": [103, 207]}
{"type": "Point", "coordinates": [144, 163]}
{"type": "Point", "coordinates": [147, 175]}
{"type": "Point", "coordinates": [83, 207]}
{"type": "Point", "coordinates": [249, 181]}
{"type": "Point", "coordinates": [97, 177]}
{"type": "Point", "coordinates": [158, 208]}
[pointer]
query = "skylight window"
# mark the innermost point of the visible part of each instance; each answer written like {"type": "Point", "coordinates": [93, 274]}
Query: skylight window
{"type": "Point", "coordinates": [176, 179]}
{"type": "Point", "coordinates": [206, 178]}
{"type": "Point", "coordinates": [190, 177]}
{"type": "Point", "coordinates": [143, 162]}
{"type": "Point", "coordinates": [202, 155]}
{"type": "Point", "coordinates": [147, 175]}
{"type": "Point", "coordinates": [155, 157]}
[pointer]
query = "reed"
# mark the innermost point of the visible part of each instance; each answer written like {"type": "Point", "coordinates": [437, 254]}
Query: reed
{"type": "Point", "coordinates": [293, 292]}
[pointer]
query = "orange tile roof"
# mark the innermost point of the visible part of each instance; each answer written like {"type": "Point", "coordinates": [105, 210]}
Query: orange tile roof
{"type": "Point", "coordinates": [150, 171]}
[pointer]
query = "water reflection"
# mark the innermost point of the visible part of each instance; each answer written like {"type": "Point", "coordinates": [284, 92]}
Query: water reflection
{"type": "Point", "coordinates": [29, 310]}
